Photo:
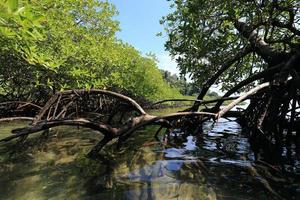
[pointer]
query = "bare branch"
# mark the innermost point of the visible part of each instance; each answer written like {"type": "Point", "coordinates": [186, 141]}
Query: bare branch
{"type": "Point", "coordinates": [268, 72]}
{"type": "Point", "coordinates": [241, 98]}
{"type": "Point", "coordinates": [43, 125]}
{"type": "Point", "coordinates": [222, 69]}
{"type": "Point", "coordinates": [15, 118]}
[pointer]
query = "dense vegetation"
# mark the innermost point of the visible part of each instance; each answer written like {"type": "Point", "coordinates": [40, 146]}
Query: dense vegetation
{"type": "Point", "coordinates": [247, 46]}
{"type": "Point", "coordinates": [242, 44]}
{"type": "Point", "coordinates": [229, 41]}
{"type": "Point", "coordinates": [51, 45]}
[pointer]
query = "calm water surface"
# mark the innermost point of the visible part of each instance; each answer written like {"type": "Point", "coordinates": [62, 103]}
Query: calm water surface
{"type": "Point", "coordinates": [218, 164]}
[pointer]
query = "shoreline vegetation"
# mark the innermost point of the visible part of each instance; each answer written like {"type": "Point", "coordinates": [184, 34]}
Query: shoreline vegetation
{"type": "Point", "coordinates": [61, 63]}
{"type": "Point", "coordinates": [50, 46]}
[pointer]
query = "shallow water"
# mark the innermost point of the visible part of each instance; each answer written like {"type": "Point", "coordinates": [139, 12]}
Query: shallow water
{"type": "Point", "coordinates": [218, 164]}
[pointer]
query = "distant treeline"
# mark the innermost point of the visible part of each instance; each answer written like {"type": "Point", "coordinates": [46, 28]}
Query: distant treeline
{"type": "Point", "coordinates": [185, 88]}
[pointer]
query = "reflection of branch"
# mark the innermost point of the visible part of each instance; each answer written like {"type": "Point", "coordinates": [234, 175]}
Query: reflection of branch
{"type": "Point", "coordinates": [253, 171]}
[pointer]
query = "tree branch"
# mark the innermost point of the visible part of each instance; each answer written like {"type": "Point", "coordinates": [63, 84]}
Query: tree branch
{"type": "Point", "coordinates": [43, 125]}
{"type": "Point", "coordinates": [241, 98]}
{"type": "Point", "coordinates": [15, 118]}
{"type": "Point", "coordinates": [194, 100]}
{"type": "Point", "coordinates": [288, 26]}
{"type": "Point", "coordinates": [21, 102]}
{"type": "Point", "coordinates": [269, 54]}
{"type": "Point", "coordinates": [222, 69]}
{"type": "Point", "coordinates": [260, 75]}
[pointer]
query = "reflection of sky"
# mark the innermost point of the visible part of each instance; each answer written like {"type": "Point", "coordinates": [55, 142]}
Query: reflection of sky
{"type": "Point", "coordinates": [173, 165]}
{"type": "Point", "coordinates": [157, 170]}
{"type": "Point", "coordinates": [222, 154]}
{"type": "Point", "coordinates": [175, 159]}
{"type": "Point", "coordinates": [190, 145]}
{"type": "Point", "coordinates": [174, 153]}
{"type": "Point", "coordinates": [224, 132]}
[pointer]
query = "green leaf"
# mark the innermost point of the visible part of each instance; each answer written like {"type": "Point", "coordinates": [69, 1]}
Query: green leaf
{"type": "Point", "coordinates": [13, 5]}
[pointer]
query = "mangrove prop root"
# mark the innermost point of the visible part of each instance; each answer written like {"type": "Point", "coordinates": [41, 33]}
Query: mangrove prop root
{"type": "Point", "coordinates": [99, 110]}
{"type": "Point", "coordinates": [240, 99]}
{"type": "Point", "coordinates": [118, 116]}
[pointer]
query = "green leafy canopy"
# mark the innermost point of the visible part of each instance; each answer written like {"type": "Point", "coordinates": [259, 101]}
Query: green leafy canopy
{"type": "Point", "coordinates": [204, 35]}
{"type": "Point", "coordinates": [50, 45]}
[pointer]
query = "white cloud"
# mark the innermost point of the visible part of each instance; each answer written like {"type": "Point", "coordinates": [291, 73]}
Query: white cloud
{"type": "Point", "coordinates": [167, 63]}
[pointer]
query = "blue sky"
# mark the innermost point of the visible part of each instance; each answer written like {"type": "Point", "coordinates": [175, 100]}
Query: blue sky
{"type": "Point", "coordinates": [139, 23]}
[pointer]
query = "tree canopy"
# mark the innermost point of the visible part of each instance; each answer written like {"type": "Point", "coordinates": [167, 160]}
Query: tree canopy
{"type": "Point", "coordinates": [48, 46]}
{"type": "Point", "coordinates": [230, 41]}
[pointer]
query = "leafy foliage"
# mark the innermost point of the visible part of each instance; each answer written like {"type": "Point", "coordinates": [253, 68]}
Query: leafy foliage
{"type": "Point", "coordinates": [204, 34]}
{"type": "Point", "coordinates": [51, 45]}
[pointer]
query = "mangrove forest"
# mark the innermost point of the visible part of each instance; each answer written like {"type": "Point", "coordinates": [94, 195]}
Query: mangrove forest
{"type": "Point", "coordinates": [86, 115]}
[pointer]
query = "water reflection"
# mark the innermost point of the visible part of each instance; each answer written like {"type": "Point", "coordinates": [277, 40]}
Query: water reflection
{"type": "Point", "coordinates": [216, 164]}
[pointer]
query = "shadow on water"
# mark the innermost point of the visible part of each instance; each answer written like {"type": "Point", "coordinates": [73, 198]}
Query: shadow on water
{"type": "Point", "coordinates": [218, 164]}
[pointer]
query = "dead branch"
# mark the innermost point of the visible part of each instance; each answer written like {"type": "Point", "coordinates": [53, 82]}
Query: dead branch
{"type": "Point", "coordinates": [108, 131]}
{"type": "Point", "coordinates": [142, 121]}
{"type": "Point", "coordinates": [15, 118]}
{"type": "Point", "coordinates": [109, 93]}
{"type": "Point", "coordinates": [241, 98]}
{"type": "Point", "coordinates": [78, 101]}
